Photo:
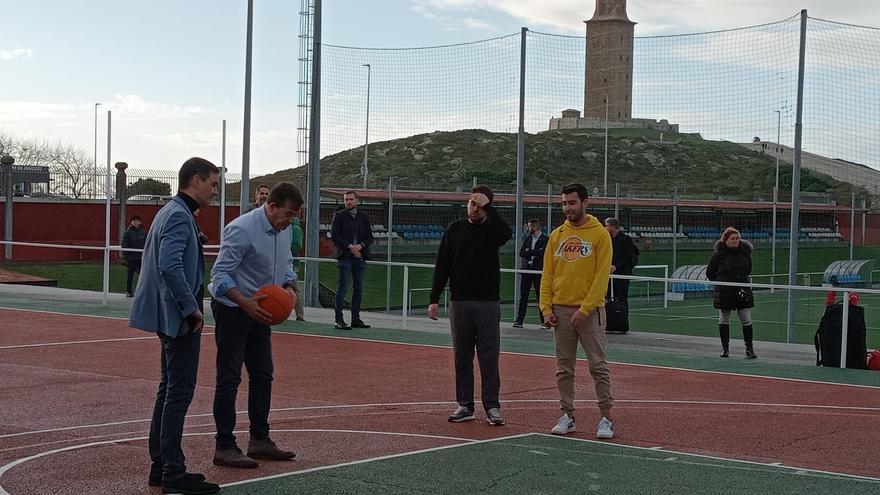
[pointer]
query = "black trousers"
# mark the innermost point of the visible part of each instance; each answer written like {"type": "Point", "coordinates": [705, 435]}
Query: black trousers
{"type": "Point", "coordinates": [476, 324]}
{"type": "Point", "coordinates": [132, 268]}
{"type": "Point", "coordinates": [239, 340]}
{"type": "Point", "coordinates": [177, 383]}
{"type": "Point", "coordinates": [621, 290]}
{"type": "Point", "coordinates": [527, 281]}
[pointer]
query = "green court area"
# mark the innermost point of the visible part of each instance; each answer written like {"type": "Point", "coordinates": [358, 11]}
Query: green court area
{"type": "Point", "coordinates": [542, 464]}
{"type": "Point", "coordinates": [769, 316]}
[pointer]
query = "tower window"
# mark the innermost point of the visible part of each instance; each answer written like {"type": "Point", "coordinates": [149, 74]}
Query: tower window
{"type": "Point", "coordinates": [605, 80]}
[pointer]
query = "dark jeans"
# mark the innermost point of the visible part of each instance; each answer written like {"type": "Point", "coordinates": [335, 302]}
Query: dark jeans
{"type": "Point", "coordinates": [527, 281]}
{"type": "Point", "coordinates": [133, 267]}
{"type": "Point", "coordinates": [621, 290]}
{"type": "Point", "coordinates": [355, 267]}
{"type": "Point", "coordinates": [180, 365]}
{"type": "Point", "coordinates": [239, 340]}
{"type": "Point", "coordinates": [476, 323]}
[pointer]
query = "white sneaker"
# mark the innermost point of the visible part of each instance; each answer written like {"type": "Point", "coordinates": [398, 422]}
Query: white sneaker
{"type": "Point", "coordinates": [605, 430]}
{"type": "Point", "coordinates": [564, 426]}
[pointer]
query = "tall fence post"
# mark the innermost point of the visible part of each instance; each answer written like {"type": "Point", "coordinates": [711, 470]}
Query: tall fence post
{"type": "Point", "coordinates": [794, 230]}
{"type": "Point", "coordinates": [223, 181]}
{"type": "Point", "coordinates": [520, 167]}
{"type": "Point", "coordinates": [390, 233]}
{"type": "Point", "coordinates": [313, 194]}
{"type": "Point", "coordinates": [852, 225]}
{"type": "Point", "coordinates": [7, 162]}
{"type": "Point", "coordinates": [107, 217]}
{"type": "Point", "coordinates": [674, 227]}
{"type": "Point", "coordinates": [844, 332]}
{"type": "Point", "coordinates": [549, 209]}
{"type": "Point", "coordinates": [617, 200]}
{"type": "Point", "coordinates": [121, 196]}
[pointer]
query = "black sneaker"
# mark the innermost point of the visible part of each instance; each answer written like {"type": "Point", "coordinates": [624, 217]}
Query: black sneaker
{"type": "Point", "coordinates": [189, 485]}
{"type": "Point", "coordinates": [359, 324]}
{"type": "Point", "coordinates": [156, 478]}
{"type": "Point", "coordinates": [341, 325]}
{"type": "Point", "coordinates": [129, 294]}
{"type": "Point", "coordinates": [461, 414]}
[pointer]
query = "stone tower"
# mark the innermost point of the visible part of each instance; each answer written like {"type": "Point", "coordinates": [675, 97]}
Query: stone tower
{"type": "Point", "coordinates": [609, 61]}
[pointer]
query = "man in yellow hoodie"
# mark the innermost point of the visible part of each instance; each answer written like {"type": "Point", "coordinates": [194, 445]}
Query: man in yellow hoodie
{"type": "Point", "coordinates": [577, 265]}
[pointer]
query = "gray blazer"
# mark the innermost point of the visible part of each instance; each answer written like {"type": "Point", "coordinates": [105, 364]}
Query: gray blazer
{"type": "Point", "coordinates": [172, 273]}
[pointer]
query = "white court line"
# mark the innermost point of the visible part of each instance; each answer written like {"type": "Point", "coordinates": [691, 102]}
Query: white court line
{"type": "Point", "coordinates": [715, 458]}
{"type": "Point", "coordinates": [77, 342]}
{"type": "Point", "coordinates": [4, 469]}
{"type": "Point", "coordinates": [446, 403]}
{"type": "Point", "coordinates": [526, 354]}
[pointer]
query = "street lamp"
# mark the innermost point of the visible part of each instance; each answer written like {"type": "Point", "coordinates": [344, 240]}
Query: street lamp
{"type": "Point", "coordinates": [605, 182]}
{"type": "Point", "coordinates": [95, 165]}
{"type": "Point", "coordinates": [365, 169]}
{"type": "Point", "coordinates": [775, 200]}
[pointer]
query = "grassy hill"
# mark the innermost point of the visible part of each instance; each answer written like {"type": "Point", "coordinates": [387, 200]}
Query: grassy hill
{"type": "Point", "coordinates": [638, 160]}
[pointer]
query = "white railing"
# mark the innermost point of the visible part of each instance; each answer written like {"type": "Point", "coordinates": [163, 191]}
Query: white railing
{"type": "Point", "coordinates": [406, 290]}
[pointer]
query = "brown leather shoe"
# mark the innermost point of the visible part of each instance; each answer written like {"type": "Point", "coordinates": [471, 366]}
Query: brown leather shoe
{"type": "Point", "coordinates": [266, 449]}
{"type": "Point", "coordinates": [233, 458]}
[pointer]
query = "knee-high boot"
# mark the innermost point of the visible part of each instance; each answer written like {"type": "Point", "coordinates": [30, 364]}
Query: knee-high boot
{"type": "Point", "coordinates": [724, 331]}
{"type": "Point", "coordinates": [748, 335]}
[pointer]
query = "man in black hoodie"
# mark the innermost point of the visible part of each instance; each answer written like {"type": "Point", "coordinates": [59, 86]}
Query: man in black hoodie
{"type": "Point", "coordinates": [468, 259]}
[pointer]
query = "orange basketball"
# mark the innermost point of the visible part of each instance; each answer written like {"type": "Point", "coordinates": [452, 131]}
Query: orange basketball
{"type": "Point", "coordinates": [277, 302]}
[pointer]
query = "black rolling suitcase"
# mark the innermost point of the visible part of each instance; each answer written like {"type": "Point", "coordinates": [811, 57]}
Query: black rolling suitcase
{"type": "Point", "coordinates": [617, 315]}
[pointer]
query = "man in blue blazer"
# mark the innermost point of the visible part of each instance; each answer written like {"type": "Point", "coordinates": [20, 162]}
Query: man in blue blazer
{"type": "Point", "coordinates": [168, 302]}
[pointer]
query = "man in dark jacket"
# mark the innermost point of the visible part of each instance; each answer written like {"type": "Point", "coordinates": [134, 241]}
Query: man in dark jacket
{"type": "Point", "coordinates": [352, 235]}
{"type": "Point", "coordinates": [134, 238]}
{"type": "Point", "coordinates": [624, 259]}
{"type": "Point", "coordinates": [468, 259]}
{"type": "Point", "coordinates": [532, 254]}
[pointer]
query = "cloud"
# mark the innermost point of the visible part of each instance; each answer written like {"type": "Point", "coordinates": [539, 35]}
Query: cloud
{"type": "Point", "coordinates": [26, 110]}
{"type": "Point", "coordinates": [668, 17]}
{"type": "Point", "coordinates": [136, 107]}
{"type": "Point", "coordinates": [16, 53]}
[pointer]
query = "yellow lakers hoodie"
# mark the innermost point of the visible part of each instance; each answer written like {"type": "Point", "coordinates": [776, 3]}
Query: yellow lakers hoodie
{"type": "Point", "coordinates": [577, 265]}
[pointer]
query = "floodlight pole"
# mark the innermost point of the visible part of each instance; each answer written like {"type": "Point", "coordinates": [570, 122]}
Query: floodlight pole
{"type": "Point", "coordinates": [223, 181]}
{"type": "Point", "coordinates": [390, 235]}
{"type": "Point", "coordinates": [246, 130]}
{"type": "Point", "coordinates": [107, 217]}
{"type": "Point", "coordinates": [313, 185]}
{"type": "Point", "coordinates": [852, 225]}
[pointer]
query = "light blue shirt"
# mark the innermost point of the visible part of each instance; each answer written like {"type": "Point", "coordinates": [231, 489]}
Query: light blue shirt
{"type": "Point", "coordinates": [253, 254]}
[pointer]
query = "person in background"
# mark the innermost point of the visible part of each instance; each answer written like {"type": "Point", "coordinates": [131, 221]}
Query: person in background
{"type": "Point", "coordinates": [134, 238]}
{"type": "Point", "coordinates": [732, 262]}
{"type": "Point", "coordinates": [577, 265]}
{"type": "Point", "coordinates": [296, 234]}
{"type": "Point", "coordinates": [468, 260]}
{"type": "Point", "coordinates": [352, 234]}
{"type": "Point", "coordinates": [260, 197]}
{"type": "Point", "coordinates": [168, 302]}
{"type": "Point", "coordinates": [623, 260]}
{"type": "Point", "coordinates": [532, 254]}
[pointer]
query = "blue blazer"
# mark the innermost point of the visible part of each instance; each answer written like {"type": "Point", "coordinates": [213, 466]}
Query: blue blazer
{"type": "Point", "coordinates": [172, 273]}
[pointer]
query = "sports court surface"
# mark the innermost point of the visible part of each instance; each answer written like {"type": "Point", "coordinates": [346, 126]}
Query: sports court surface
{"type": "Point", "coordinates": [366, 413]}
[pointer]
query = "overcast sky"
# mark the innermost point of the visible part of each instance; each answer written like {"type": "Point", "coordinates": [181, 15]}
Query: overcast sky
{"type": "Point", "coordinates": [171, 71]}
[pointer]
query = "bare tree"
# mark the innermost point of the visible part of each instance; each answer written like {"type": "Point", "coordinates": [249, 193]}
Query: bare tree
{"type": "Point", "coordinates": [70, 168]}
